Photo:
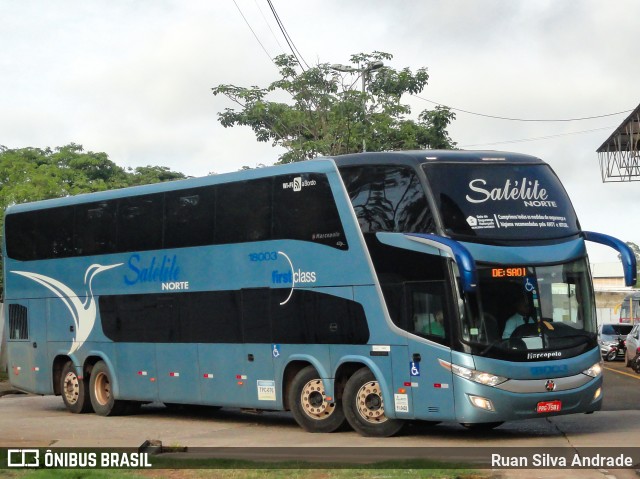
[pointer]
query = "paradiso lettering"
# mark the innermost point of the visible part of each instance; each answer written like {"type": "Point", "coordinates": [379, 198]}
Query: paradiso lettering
{"type": "Point", "coordinates": [527, 190]}
{"type": "Point", "coordinates": [164, 271]}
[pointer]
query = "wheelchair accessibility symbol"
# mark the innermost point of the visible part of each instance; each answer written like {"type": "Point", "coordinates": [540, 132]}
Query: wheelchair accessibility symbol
{"type": "Point", "coordinates": [275, 351]}
{"type": "Point", "coordinates": [415, 369]}
{"type": "Point", "coordinates": [528, 285]}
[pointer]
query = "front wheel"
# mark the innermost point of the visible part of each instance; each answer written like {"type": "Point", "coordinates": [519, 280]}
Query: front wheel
{"type": "Point", "coordinates": [611, 355]}
{"type": "Point", "coordinates": [75, 393]}
{"type": "Point", "coordinates": [364, 406]}
{"type": "Point", "coordinates": [101, 394]}
{"type": "Point", "coordinates": [309, 406]}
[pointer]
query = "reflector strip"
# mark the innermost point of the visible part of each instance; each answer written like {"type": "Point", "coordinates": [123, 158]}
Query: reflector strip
{"type": "Point", "coordinates": [142, 373]}
{"type": "Point", "coordinates": [174, 374]}
{"type": "Point", "coordinates": [208, 376]}
{"type": "Point", "coordinates": [35, 368]}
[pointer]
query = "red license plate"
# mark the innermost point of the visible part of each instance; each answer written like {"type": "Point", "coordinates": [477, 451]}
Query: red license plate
{"type": "Point", "coordinates": [549, 406]}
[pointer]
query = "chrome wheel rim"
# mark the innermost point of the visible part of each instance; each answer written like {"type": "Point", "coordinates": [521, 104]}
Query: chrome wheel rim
{"type": "Point", "coordinates": [313, 400]}
{"type": "Point", "coordinates": [370, 404]}
{"type": "Point", "coordinates": [71, 388]}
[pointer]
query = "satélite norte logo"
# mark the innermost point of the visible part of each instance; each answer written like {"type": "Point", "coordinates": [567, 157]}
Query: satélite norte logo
{"type": "Point", "coordinates": [298, 183]}
{"type": "Point", "coordinates": [155, 270]}
{"type": "Point", "coordinates": [530, 192]}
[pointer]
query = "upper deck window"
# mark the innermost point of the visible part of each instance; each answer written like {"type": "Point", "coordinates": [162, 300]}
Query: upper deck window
{"type": "Point", "coordinates": [501, 201]}
{"type": "Point", "coordinates": [388, 198]}
{"type": "Point", "coordinates": [289, 207]}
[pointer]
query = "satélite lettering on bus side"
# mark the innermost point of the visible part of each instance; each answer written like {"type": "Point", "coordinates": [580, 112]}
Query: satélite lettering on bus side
{"type": "Point", "coordinates": [154, 270]}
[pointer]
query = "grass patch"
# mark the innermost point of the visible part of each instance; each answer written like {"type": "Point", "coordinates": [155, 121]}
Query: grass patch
{"type": "Point", "coordinates": [185, 468]}
{"type": "Point", "coordinates": [246, 474]}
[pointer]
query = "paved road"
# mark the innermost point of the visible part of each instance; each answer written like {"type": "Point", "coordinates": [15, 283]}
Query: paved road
{"type": "Point", "coordinates": [34, 421]}
{"type": "Point", "coordinates": [622, 388]}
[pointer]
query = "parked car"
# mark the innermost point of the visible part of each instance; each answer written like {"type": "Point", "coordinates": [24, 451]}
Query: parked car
{"type": "Point", "coordinates": [612, 340]}
{"type": "Point", "coordinates": [633, 343]}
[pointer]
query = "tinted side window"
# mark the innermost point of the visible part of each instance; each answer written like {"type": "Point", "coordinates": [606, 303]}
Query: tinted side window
{"type": "Point", "coordinates": [207, 317]}
{"type": "Point", "coordinates": [249, 316]}
{"type": "Point", "coordinates": [256, 318]}
{"type": "Point", "coordinates": [140, 223]}
{"type": "Point", "coordinates": [189, 217]}
{"type": "Point", "coordinates": [304, 209]}
{"type": "Point", "coordinates": [388, 198]}
{"type": "Point", "coordinates": [243, 211]}
{"type": "Point", "coordinates": [95, 228]}
{"type": "Point", "coordinates": [20, 231]}
{"type": "Point", "coordinates": [54, 233]}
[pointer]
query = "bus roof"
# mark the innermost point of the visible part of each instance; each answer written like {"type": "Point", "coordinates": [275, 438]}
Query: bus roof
{"type": "Point", "coordinates": [416, 157]}
{"type": "Point", "coordinates": [320, 165]}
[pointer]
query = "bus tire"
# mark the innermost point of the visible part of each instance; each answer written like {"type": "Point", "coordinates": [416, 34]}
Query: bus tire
{"type": "Point", "coordinates": [309, 406]}
{"type": "Point", "coordinates": [364, 406]}
{"type": "Point", "coordinates": [102, 400]}
{"type": "Point", "coordinates": [74, 390]}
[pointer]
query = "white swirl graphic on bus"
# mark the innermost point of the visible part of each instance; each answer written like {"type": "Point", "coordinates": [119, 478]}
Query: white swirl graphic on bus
{"type": "Point", "coordinates": [83, 314]}
{"type": "Point", "coordinates": [294, 277]}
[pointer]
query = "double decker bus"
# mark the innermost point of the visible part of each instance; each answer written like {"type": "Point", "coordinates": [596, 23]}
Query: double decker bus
{"type": "Point", "coordinates": [367, 289]}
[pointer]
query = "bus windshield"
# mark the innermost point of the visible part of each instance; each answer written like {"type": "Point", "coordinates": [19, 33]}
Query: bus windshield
{"type": "Point", "coordinates": [501, 201]}
{"type": "Point", "coordinates": [531, 312]}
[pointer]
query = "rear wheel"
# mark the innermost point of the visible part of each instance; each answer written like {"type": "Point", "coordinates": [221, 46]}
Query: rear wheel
{"type": "Point", "coordinates": [309, 405]}
{"type": "Point", "coordinates": [101, 393]}
{"type": "Point", "coordinates": [364, 406]}
{"type": "Point", "coordinates": [75, 393]}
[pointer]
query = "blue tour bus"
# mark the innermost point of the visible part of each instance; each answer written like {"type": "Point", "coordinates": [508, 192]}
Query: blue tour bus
{"type": "Point", "coordinates": [370, 288]}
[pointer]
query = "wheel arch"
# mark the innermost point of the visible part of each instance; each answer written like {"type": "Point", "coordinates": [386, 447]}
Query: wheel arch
{"type": "Point", "coordinates": [348, 365]}
{"type": "Point", "coordinates": [292, 368]}
{"type": "Point", "coordinates": [56, 372]}
{"type": "Point", "coordinates": [90, 362]}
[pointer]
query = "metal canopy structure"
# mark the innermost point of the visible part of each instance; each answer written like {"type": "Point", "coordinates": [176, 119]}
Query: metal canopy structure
{"type": "Point", "coordinates": [619, 156]}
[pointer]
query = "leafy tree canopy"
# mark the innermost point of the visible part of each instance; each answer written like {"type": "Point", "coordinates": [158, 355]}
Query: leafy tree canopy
{"type": "Point", "coordinates": [327, 113]}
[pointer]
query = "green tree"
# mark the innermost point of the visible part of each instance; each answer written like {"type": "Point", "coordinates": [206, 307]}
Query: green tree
{"type": "Point", "coordinates": [327, 114]}
{"type": "Point", "coordinates": [32, 174]}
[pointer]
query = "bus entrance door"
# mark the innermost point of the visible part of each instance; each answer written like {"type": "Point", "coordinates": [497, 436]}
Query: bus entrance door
{"type": "Point", "coordinates": [431, 384]}
{"type": "Point", "coordinates": [429, 320]}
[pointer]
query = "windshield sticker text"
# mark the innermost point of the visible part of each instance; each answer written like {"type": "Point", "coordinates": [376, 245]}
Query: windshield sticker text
{"type": "Point", "coordinates": [528, 191]}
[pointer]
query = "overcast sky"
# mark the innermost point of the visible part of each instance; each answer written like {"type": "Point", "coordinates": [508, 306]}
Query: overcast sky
{"type": "Point", "coordinates": [134, 78]}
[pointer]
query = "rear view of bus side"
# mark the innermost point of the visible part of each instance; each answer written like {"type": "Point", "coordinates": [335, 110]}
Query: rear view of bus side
{"type": "Point", "coordinates": [368, 289]}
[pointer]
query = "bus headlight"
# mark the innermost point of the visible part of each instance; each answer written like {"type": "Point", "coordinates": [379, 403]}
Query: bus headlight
{"type": "Point", "coordinates": [474, 375]}
{"type": "Point", "coordinates": [481, 403]}
{"type": "Point", "coordinates": [594, 371]}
